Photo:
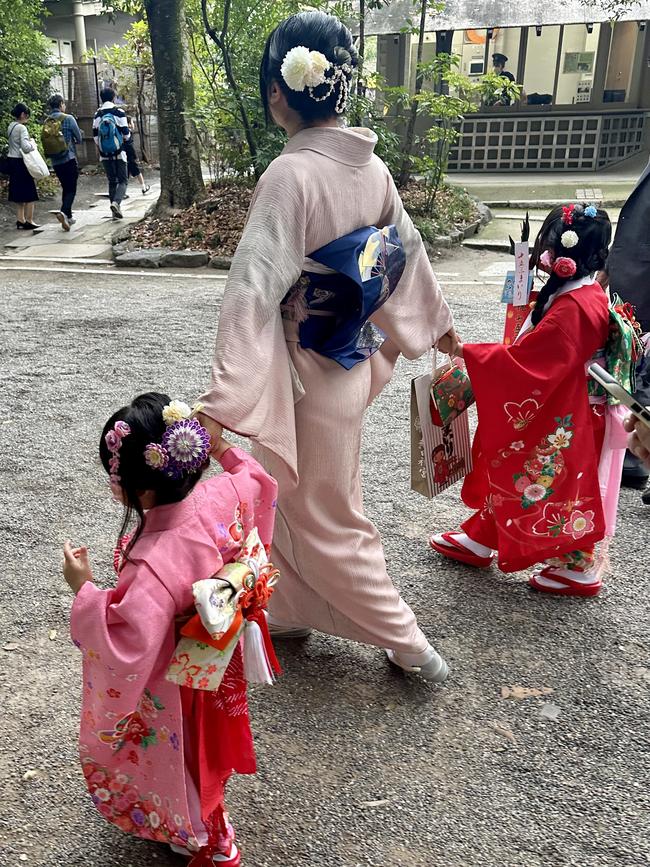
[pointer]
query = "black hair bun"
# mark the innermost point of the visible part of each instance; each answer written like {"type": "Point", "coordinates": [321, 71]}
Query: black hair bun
{"type": "Point", "coordinates": [343, 56]}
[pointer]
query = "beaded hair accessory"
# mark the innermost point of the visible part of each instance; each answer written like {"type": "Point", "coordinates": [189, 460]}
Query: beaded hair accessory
{"type": "Point", "coordinates": [185, 445]}
{"type": "Point", "coordinates": [113, 440]}
{"type": "Point", "coordinates": [303, 69]}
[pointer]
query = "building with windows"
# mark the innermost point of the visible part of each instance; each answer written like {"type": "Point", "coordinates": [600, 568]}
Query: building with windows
{"type": "Point", "coordinates": [77, 27]}
{"type": "Point", "coordinates": [585, 101]}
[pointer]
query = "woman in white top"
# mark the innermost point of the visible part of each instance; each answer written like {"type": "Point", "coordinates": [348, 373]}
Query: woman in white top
{"type": "Point", "coordinates": [22, 188]}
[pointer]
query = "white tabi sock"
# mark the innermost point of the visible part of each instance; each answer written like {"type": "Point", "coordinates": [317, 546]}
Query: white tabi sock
{"type": "Point", "coordinates": [466, 542]}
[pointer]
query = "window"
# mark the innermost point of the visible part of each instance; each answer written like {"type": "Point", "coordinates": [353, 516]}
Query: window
{"type": "Point", "coordinates": [577, 64]}
{"type": "Point", "coordinates": [541, 62]}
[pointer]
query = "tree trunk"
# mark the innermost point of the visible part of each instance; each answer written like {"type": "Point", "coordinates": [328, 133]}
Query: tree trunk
{"type": "Point", "coordinates": [409, 138]}
{"type": "Point", "coordinates": [181, 178]}
{"type": "Point", "coordinates": [361, 85]}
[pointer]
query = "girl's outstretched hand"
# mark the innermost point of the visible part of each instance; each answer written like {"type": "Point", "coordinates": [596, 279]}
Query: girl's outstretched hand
{"type": "Point", "coordinates": [214, 429]}
{"type": "Point", "coordinates": [76, 566]}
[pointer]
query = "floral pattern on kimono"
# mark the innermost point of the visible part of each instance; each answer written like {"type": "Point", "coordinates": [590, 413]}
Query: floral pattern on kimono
{"type": "Point", "coordinates": [156, 756]}
{"type": "Point", "coordinates": [538, 443]}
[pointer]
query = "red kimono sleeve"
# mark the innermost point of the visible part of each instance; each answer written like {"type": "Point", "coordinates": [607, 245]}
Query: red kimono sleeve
{"type": "Point", "coordinates": [536, 457]}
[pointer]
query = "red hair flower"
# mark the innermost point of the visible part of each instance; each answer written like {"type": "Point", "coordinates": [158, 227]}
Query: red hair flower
{"type": "Point", "coordinates": [564, 267]}
{"type": "Point", "coordinates": [567, 214]}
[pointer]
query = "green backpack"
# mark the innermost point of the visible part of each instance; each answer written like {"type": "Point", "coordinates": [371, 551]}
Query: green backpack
{"type": "Point", "coordinates": [54, 143]}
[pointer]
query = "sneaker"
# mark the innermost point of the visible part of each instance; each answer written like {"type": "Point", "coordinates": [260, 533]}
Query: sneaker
{"type": "Point", "coordinates": [127, 196]}
{"type": "Point", "coordinates": [115, 210]}
{"type": "Point", "coordinates": [20, 226]}
{"type": "Point", "coordinates": [433, 667]}
{"type": "Point", "coordinates": [64, 220]}
{"type": "Point", "coordinates": [146, 189]}
{"type": "Point", "coordinates": [72, 220]}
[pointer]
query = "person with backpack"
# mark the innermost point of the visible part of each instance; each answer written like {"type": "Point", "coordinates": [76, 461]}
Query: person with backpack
{"type": "Point", "coordinates": [111, 131]}
{"type": "Point", "coordinates": [60, 136]}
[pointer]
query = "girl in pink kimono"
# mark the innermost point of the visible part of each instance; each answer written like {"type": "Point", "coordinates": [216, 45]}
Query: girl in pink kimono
{"type": "Point", "coordinates": [156, 756]}
{"type": "Point", "coordinates": [329, 284]}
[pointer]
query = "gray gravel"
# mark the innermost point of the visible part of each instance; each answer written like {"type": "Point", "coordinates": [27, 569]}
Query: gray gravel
{"type": "Point", "coordinates": [358, 765]}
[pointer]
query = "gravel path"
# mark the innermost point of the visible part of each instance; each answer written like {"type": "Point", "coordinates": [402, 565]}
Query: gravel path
{"type": "Point", "coordinates": [359, 765]}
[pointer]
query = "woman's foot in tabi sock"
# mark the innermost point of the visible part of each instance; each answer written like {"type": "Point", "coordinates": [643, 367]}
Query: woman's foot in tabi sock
{"type": "Point", "coordinates": [566, 582]}
{"type": "Point", "coordinates": [458, 546]}
{"type": "Point", "coordinates": [428, 664]}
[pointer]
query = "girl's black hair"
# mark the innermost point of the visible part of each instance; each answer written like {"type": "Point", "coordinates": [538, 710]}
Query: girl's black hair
{"type": "Point", "coordinates": [317, 31]}
{"type": "Point", "coordinates": [20, 108]}
{"type": "Point", "coordinates": [589, 254]}
{"type": "Point", "coordinates": [144, 417]}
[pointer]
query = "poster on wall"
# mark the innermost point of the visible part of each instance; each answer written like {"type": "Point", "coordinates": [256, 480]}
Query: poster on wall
{"type": "Point", "coordinates": [579, 61]}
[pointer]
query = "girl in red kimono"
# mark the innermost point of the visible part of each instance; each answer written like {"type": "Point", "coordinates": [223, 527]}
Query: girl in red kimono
{"type": "Point", "coordinates": [157, 753]}
{"type": "Point", "coordinates": [543, 468]}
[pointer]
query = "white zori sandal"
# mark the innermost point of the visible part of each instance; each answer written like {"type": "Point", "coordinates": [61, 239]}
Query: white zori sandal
{"type": "Point", "coordinates": [428, 664]}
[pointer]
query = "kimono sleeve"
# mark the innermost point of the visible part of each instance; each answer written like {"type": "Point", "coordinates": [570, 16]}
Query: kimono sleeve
{"type": "Point", "coordinates": [256, 492]}
{"type": "Point", "coordinates": [124, 630]}
{"type": "Point", "coordinates": [250, 362]}
{"type": "Point", "coordinates": [416, 315]}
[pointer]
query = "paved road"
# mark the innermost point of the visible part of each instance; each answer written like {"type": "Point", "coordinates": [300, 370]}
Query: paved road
{"type": "Point", "coordinates": [359, 766]}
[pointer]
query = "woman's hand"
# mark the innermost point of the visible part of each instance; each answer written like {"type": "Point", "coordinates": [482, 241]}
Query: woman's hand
{"type": "Point", "coordinates": [215, 430]}
{"type": "Point", "coordinates": [76, 567]}
{"type": "Point", "coordinates": [639, 442]}
{"type": "Point", "coordinates": [450, 343]}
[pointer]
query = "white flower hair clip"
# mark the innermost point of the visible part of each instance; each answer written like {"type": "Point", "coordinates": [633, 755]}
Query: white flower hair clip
{"type": "Point", "coordinates": [304, 69]}
{"type": "Point", "coordinates": [569, 239]}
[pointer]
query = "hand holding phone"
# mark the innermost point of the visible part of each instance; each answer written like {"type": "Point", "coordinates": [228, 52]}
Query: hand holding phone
{"type": "Point", "coordinates": [613, 387]}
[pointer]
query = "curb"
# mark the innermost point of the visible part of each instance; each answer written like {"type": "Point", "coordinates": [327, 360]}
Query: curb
{"type": "Point", "coordinates": [546, 204]}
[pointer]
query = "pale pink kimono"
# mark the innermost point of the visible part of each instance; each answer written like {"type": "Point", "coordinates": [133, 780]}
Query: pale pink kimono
{"type": "Point", "coordinates": [147, 765]}
{"type": "Point", "coordinates": [303, 411]}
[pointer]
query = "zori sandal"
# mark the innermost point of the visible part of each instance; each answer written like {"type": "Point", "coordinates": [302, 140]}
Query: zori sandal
{"type": "Point", "coordinates": [448, 545]}
{"type": "Point", "coordinates": [558, 582]}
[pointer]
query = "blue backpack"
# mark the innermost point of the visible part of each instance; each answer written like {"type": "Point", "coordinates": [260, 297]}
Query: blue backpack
{"type": "Point", "coordinates": [110, 136]}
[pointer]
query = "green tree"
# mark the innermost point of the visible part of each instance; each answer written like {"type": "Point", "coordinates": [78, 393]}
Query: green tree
{"type": "Point", "coordinates": [25, 65]}
{"type": "Point", "coordinates": [133, 64]}
{"type": "Point", "coordinates": [181, 177]}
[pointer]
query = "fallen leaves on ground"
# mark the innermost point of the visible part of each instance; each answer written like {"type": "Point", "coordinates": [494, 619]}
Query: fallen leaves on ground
{"type": "Point", "coordinates": [214, 224]}
{"type": "Point", "coordinates": [10, 646]}
{"type": "Point", "coordinates": [521, 692]}
{"type": "Point", "coordinates": [381, 803]}
{"type": "Point", "coordinates": [52, 634]}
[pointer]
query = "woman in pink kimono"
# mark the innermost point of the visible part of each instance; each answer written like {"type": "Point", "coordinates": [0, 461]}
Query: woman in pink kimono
{"type": "Point", "coordinates": [329, 284]}
{"type": "Point", "coordinates": [156, 756]}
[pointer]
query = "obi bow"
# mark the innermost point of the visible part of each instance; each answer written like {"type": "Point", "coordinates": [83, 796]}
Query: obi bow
{"type": "Point", "coordinates": [230, 604]}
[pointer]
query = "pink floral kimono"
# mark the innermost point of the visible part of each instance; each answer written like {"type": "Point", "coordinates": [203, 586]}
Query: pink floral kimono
{"type": "Point", "coordinates": [156, 756]}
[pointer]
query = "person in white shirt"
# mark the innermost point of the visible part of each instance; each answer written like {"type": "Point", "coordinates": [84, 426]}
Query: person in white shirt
{"type": "Point", "coordinates": [22, 188]}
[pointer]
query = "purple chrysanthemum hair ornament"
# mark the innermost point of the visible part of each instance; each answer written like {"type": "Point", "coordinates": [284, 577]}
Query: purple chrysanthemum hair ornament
{"type": "Point", "coordinates": [185, 445]}
{"type": "Point", "coordinates": [113, 440]}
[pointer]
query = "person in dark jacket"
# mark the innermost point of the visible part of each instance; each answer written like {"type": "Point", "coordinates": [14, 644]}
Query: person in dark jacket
{"type": "Point", "coordinates": [627, 274]}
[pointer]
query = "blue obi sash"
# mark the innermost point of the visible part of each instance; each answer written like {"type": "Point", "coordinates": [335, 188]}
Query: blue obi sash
{"type": "Point", "coordinates": [333, 310]}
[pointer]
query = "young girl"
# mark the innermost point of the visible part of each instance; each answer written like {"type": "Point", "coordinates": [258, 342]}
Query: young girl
{"type": "Point", "coordinates": [549, 450]}
{"type": "Point", "coordinates": [156, 756]}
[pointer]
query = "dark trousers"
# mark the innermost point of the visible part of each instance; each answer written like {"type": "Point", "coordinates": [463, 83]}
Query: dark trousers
{"type": "Point", "coordinates": [118, 178]}
{"type": "Point", "coordinates": [634, 468]}
{"type": "Point", "coordinates": [67, 173]}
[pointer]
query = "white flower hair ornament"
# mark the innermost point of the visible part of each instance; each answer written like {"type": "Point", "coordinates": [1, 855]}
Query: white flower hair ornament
{"type": "Point", "coordinates": [303, 69]}
{"type": "Point", "coordinates": [569, 239]}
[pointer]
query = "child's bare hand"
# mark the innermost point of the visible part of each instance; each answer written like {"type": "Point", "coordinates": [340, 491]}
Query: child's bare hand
{"type": "Point", "coordinates": [214, 429]}
{"type": "Point", "coordinates": [449, 343]}
{"type": "Point", "coordinates": [76, 566]}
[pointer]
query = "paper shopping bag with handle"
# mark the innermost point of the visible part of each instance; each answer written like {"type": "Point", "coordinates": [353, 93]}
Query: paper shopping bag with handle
{"type": "Point", "coordinates": [440, 454]}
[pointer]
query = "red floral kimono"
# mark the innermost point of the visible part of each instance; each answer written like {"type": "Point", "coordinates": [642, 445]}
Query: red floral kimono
{"type": "Point", "coordinates": [537, 449]}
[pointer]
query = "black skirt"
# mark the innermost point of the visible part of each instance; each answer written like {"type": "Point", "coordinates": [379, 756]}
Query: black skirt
{"type": "Point", "coordinates": [22, 186]}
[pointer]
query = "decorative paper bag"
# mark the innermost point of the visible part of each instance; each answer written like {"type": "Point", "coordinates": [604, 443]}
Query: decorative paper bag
{"type": "Point", "coordinates": [440, 456]}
